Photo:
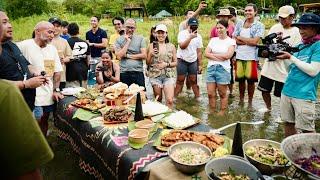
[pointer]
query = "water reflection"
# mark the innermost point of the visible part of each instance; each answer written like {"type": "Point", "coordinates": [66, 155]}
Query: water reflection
{"type": "Point", "coordinates": [271, 129]}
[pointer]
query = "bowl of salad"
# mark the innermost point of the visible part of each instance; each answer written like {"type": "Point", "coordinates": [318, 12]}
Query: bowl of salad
{"type": "Point", "coordinates": [303, 151]}
{"type": "Point", "coordinates": [266, 155]}
{"type": "Point", "coordinates": [189, 157]}
{"type": "Point", "coordinates": [231, 167]}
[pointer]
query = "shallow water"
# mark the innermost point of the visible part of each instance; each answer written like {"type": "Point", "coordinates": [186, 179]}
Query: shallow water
{"type": "Point", "coordinates": [269, 130]}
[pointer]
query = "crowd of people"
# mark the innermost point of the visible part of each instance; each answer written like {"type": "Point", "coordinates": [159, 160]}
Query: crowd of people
{"type": "Point", "coordinates": [56, 58]}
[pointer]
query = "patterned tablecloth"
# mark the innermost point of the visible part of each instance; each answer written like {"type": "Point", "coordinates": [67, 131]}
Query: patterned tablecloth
{"type": "Point", "coordinates": [103, 149]}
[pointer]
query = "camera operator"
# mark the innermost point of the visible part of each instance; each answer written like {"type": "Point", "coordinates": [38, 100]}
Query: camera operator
{"type": "Point", "coordinates": [275, 72]}
{"type": "Point", "coordinates": [300, 89]}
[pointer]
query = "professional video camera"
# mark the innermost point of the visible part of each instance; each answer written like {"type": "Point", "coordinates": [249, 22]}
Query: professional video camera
{"type": "Point", "coordinates": [271, 49]}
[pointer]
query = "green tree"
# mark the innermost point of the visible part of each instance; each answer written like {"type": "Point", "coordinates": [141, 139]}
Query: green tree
{"type": "Point", "coordinates": [23, 8]}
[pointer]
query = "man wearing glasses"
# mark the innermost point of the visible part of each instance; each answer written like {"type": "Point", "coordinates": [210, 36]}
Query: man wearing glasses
{"type": "Point", "coordinates": [130, 49]}
{"type": "Point", "coordinates": [118, 27]}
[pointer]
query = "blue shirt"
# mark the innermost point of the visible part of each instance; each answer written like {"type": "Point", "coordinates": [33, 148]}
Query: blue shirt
{"type": "Point", "coordinates": [299, 84]}
{"type": "Point", "coordinates": [96, 38]}
{"type": "Point", "coordinates": [66, 37]}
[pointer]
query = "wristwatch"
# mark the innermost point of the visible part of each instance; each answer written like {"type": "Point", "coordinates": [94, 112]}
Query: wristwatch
{"type": "Point", "coordinates": [57, 90]}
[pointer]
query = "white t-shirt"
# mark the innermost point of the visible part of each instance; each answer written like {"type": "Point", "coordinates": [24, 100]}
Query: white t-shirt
{"type": "Point", "coordinates": [277, 70]}
{"type": "Point", "coordinates": [245, 52]}
{"type": "Point", "coordinates": [189, 54]}
{"type": "Point", "coordinates": [43, 59]}
{"type": "Point", "coordinates": [220, 46]}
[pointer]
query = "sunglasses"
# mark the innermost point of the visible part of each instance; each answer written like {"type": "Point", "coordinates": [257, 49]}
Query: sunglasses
{"type": "Point", "coordinates": [131, 27]}
{"type": "Point", "coordinates": [118, 24]}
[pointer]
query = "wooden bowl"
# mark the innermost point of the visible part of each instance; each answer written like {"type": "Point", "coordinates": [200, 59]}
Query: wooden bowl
{"type": "Point", "coordinates": [139, 136]}
{"type": "Point", "coordinates": [145, 124]}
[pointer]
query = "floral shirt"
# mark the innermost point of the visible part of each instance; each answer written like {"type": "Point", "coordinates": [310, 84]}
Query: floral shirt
{"type": "Point", "coordinates": [256, 29]}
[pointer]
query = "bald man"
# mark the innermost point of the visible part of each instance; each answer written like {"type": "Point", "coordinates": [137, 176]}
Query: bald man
{"type": "Point", "coordinates": [14, 66]}
{"type": "Point", "coordinates": [44, 57]}
{"type": "Point", "coordinates": [130, 48]}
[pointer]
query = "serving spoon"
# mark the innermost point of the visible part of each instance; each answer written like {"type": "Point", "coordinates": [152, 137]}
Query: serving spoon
{"type": "Point", "coordinates": [218, 131]}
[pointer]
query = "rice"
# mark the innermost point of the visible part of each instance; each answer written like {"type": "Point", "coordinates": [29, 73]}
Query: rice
{"type": "Point", "coordinates": [189, 155]}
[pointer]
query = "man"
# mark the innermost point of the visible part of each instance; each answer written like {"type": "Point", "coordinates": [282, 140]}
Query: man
{"type": "Point", "coordinates": [192, 14]}
{"type": "Point", "coordinates": [63, 48]}
{"type": "Point", "coordinates": [118, 27]}
{"type": "Point", "coordinates": [77, 68]}
{"type": "Point", "coordinates": [189, 52]}
{"type": "Point", "coordinates": [44, 56]}
{"type": "Point", "coordinates": [275, 72]}
{"type": "Point", "coordinates": [14, 66]}
{"type": "Point", "coordinates": [299, 94]}
{"type": "Point", "coordinates": [247, 35]}
{"type": "Point", "coordinates": [64, 34]}
{"type": "Point", "coordinates": [131, 50]}
{"type": "Point", "coordinates": [20, 160]}
{"type": "Point", "coordinates": [97, 39]}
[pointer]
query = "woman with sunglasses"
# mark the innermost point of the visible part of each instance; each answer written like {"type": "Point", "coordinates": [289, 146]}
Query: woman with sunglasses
{"type": "Point", "coordinates": [162, 61]}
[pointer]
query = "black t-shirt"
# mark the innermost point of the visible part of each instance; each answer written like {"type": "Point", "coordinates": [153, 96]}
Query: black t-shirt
{"type": "Point", "coordinates": [77, 68]}
{"type": "Point", "coordinates": [96, 38]}
{"type": "Point", "coordinates": [13, 66]}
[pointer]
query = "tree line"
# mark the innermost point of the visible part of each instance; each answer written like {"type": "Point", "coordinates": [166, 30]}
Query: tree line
{"type": "Point", "coordinates": [23, 8]}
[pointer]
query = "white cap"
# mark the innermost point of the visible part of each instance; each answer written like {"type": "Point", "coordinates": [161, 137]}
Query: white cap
{"type": "Point", "coordinates": [285, 11]}
{"type": "Point", "coordinates": [161, 27]}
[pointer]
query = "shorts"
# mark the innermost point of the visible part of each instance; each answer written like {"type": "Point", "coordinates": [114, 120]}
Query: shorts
{"type": "Point", "coordinates": [217, 74]}
{"type": "Point", "coordinates": [39, 110]}
{"type": "Point", "coordinates": [266, 85]}
{"type": "Point", "coordinates": [298, 111]}
{"type": "Point", "coordinates": [76, 84]}
{"type": "Point", "coordinates": [162, 81]}
{"type": "Point", "coordinates": [246, 70]}
{"type": "Point", "coordinates": [187, 68]}
{"type": "Point", "coordinates": [130, 77]}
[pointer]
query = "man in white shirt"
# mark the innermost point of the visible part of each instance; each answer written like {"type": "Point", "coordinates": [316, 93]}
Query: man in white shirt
{"type": "Point", "coordinates": [275, 72]}
{"type": "Point", "coordinates": [189, 51]}
{"type": "Point", "coordinates": [44, 57]}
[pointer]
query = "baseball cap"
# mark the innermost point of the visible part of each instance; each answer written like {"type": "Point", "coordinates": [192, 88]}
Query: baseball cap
{"type": "Point", "coordinates": [285, 11]}
{"type": "Point", "coordinates": [308, 19]}
{"type": "Point", "coordinates": [193, 22]}
{"type": "Point", "coordinates": [55, 20]}
{"type": "Point", "coordinates": [224, 12]}
{"type": "Point", "coordinates": [161, 27]}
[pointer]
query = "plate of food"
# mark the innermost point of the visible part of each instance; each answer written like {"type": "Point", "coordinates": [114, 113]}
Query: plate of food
{"type": "Point", "coordinates": [168, 137]}
{"type": "Point", "coordinates": [88, 104]}
{"type": "Point", "coordinates": [180, 120]}
{"type": "Point", "coordinates": [91, 93]}
{"type": "Point", "coordinates": [153, 108]}
{"type": "Point", "coordinates": [116, 115]}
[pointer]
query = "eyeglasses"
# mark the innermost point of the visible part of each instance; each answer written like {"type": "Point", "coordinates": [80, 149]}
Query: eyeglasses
{"type": "Point", "coordinates": [118, 24]}
{"type": "Point", "coordinates": [131, 27]}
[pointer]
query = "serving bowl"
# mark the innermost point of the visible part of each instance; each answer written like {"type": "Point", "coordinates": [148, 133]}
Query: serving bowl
{"type": "Point", "coordinates": [264, 168]}
{"type": "Point", "coordinates": [138, 136]}
{"type": "Point", "coordinates": [189, 168]}
{"type": "Point", "coordinates": [301, 146]}
{"type": "Point", "coordinates": [237, 164]}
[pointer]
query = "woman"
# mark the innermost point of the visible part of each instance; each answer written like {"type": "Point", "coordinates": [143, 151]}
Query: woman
{"type": "Point", "coordinates": [162, 61]}
{"type": "Point", "coordinates": [107, 72]}
{"type": "Point", "coordinates": [299, 93]}
{"type": "Point", "coordinates": [219, 51]}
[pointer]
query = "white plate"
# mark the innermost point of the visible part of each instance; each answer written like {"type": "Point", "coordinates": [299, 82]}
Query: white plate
{"type": "Point", "coordinates": [72, 91]}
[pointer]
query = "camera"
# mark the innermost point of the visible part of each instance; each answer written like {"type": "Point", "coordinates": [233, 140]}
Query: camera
{"type": "Point", "coordinates": [193, 28]}
{"type": "Point", "coordinates": [103, 68]}
{"type": "Point", "coordinates": [121, 32]}
{"type": "Point", "coordinates": [271, 49]}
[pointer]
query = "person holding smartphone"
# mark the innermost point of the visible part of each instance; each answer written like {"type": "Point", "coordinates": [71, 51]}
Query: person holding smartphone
{"type": "Point", "coordinates": [162, 61]}
{"type": "Point", "coordinates": [107, 72]}
{"type": "Point", "coordinates": [189, 52]}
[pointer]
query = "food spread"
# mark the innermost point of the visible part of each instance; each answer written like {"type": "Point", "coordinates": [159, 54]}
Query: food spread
{"type": "Point", "coordinates": [89, 104]}
{"type": "Point", "coordinates": [189, 155]}
{"type": "Point", "coordinates": [311, 164]}
{"type": "Point", "coordinates": [117, 115]}
{"type": "Point", "coordinates": [212, 141]}
{"type": "Point", "coordinates": [179, 120]}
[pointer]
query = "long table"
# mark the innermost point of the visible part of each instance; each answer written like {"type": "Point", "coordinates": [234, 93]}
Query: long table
{"type": "Point", "coordinates": [103, 149]}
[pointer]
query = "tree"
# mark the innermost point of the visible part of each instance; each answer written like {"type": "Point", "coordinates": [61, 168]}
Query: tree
{"type": "Point", "coordinates": [23, 8]}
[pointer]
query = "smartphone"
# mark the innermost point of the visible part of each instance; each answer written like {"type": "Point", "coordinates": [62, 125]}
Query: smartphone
{"type": "Point", "coordinates": [194, 28]}
{"type": "Point", "coordinates": [121, 32]}
{"type": "Point", "coordinates": [155, 45]}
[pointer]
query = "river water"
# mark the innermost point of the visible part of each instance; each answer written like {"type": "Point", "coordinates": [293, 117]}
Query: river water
{"type": "Point", "coordinates": [272, 129]}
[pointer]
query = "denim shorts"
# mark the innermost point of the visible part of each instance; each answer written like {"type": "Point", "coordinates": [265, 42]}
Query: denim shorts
{"type": "Point", "coordinates": [217, 74]}
{"type": "Point", "coordinates": [39, 110]}
{"type": "Point", "coordinates": [187, 68]}
{"type": "Point", "coordinates": [162, 81]}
